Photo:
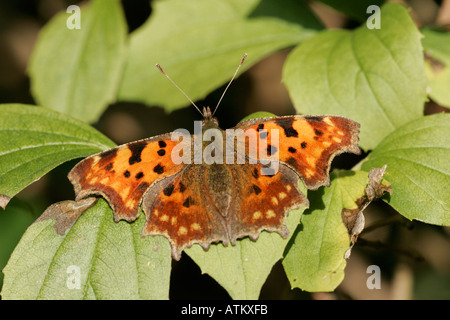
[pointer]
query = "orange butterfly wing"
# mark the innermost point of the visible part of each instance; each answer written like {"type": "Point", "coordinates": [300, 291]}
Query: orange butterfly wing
{"type": "Point", "coordinates": [179, 209]}
{"type": "Point", "coordinates": [264, 201]}
{"type": "Point", "coordinates": [306, 144]}
{"type": "Point", "coordinates": [123, 174]}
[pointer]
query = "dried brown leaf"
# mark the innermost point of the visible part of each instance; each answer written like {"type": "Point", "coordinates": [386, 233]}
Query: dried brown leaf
{"type": "Point", "coordinates": [354, 218]}
{"type": "Point", "coordinates": [66, 213]}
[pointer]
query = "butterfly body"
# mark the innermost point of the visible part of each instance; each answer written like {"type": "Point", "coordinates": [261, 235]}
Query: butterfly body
{"type": "Point", "coordinates": [222, 194]}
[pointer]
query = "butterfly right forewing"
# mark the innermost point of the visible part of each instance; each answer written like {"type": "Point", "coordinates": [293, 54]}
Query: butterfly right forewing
{"type": "Point", "coordinates": [123, 174]}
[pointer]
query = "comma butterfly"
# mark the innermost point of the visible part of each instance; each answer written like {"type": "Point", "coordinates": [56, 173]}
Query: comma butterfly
{"type": "Point", "coordinates": [204, 202]}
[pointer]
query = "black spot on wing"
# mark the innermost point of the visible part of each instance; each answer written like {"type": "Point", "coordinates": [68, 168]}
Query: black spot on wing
{"type": "Point", "coordinates": [168, 190]}
{"type": "Point", "coordinates": [136, 150]}
{"type": "Point", "coordinates": [318, 132]}
{"type": "Point", "coordinates": [314, 118]}
{"type": "Point", "coordinates": [271, 150]}
{"type": "Point", "coordinates": [109, 154]}
{"type": "Point", "coordinates": [286, 124]}
{"type": "Point", "coordinates": [256, 189]}
{"type": "Point", "coordinates": [255, 173]}
{"type": "Point", "coordinates": [159, 169]}
{"type": "Point", "coordinates": [139, 175]}
{"type": "Point", "coordinates": [188, 202]}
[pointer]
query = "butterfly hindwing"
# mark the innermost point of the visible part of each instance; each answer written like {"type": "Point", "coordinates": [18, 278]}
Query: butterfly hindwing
{"type": "Point", "coordinates": [265, 201]}
{"type": "Point", "coordinates": [179, 209]}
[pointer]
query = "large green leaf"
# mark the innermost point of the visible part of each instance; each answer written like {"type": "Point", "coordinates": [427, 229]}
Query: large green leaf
{"type": "Point", "coordinates": [418, 167]}
{"type": "Point", "coordinates": [111, 259]}
{"type": "Point", "coordinates": [34, 140]}
{"type": "Point", "coordinates": [199, 43]}
{"type": "Point", "coordinates": [77, 71]}
{"type": "Point", "coordinates": [315, 258]}
{"type": "Point", "coordinates": [437, 46]}
{"type": "Point", "coordinates": [374, 76]}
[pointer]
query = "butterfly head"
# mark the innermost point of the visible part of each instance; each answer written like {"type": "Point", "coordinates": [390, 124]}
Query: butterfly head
{"type": "Point", "coordinates": [207, 114]}
{"type": "Point", "coordinates": [208, 119]}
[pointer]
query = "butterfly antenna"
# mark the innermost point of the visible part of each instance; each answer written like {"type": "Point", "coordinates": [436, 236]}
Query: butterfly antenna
{"type": "Point", "coordinates": [162, 71]}
{"type": "Point", "coordinates": [235, 73]}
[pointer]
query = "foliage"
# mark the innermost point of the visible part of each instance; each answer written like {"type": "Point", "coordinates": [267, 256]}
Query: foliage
{"type": "Point", "coordinates": [375, 76]}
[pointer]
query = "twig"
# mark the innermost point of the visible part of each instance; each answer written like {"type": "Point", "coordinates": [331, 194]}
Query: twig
{"type": "Point", "coordinates": [410, 253]}
{"type": "Point", "coordinates": [381, 223]}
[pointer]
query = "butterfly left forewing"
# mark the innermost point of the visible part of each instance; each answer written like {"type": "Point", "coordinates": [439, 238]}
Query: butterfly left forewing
{"type": "Point", "coordinates": [123, 174]}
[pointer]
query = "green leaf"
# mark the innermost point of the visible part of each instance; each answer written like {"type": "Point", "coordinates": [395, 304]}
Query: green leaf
{"type": "Point", "coordinates": [315, 257]}
{"type": "Point", "coordinates": [418, 168]}
{"type": "Point", "coordinates": [112, 260]}
{"type": "Point", "coordinates": [34, 140]}
{"type": "Point", "coordinates": [199, 43]}
{"type": "Point", "coordinates": [437, 46]}
{"type": "Point", "coordinates": [258, 114]}
{"type": "Point", "coordinates": [375, 77]}
{"type": "Point", "coordinates": [77, 71]}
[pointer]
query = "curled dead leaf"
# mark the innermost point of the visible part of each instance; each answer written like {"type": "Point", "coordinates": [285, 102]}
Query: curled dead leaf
{"type": "Point", "coordinates": [354, 218]}
{"type": "Point", "coordinates": [66, 213]}
{"type": "Point", "coordinates": [375, 188]}
{"type": "Point", "coordinates": [4, 200]}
